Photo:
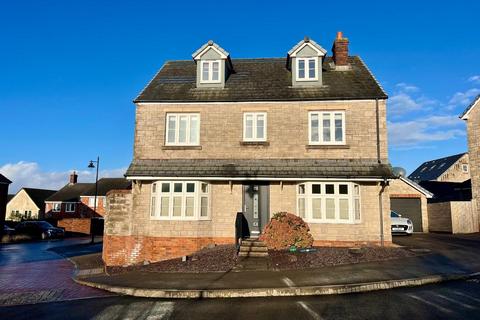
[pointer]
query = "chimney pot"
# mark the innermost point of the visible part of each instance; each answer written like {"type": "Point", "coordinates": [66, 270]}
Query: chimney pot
{"type": "Point", "coordinates": [73, 178]}
{"type": "Point", "coordinates": [339, 35]}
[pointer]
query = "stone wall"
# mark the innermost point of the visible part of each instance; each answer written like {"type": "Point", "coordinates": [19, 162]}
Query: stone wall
{"type": "Point", "coordinates": [221, 131]}
{"type": "Point", "coordinates": [455, 173]}
{"type": "Point", "coordinates": [473, 129]}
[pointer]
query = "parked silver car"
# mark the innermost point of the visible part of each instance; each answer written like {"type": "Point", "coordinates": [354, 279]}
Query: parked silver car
{"type": "Point", "coordinates": [400, 224]}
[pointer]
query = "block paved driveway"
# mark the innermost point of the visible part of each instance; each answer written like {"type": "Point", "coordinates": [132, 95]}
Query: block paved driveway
{"type": "Point", "coordinates": [32, 273]}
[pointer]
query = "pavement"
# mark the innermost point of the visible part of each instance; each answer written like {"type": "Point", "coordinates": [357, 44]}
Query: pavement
{"type": "Point", "coordinates": [35, 272]}
{"type": "Point", "coordinates": [451, 257]}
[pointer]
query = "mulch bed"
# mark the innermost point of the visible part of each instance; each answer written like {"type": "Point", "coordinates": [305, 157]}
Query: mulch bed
{"type": "Point", "coordinates": [328, 256]}
{"type": "Point", "coordinates": [224, 258]}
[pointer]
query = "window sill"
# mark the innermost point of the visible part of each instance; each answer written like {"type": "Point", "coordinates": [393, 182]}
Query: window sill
{"type": "Point", "coordinates": [327, 146]}
{"type": "Point", "coordinates": [181, 147]}
{"type": "Point", "coordinates": [255, 143]}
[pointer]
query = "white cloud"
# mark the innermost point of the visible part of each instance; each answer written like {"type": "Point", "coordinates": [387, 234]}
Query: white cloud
{"type": "Point", "coordinates": [462, 99]}
{"type": "Point", "coordinates": [474, 79]}
{"type": "Point", "coordinates": [29, 174]}
{"type": "Point", "coordinates": [407, 99]}
{"type": "Point", "coordinates": [414, 133]}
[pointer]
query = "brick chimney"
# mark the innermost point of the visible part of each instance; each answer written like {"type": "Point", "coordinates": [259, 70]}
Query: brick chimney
{"type": "Point", "coordinates": [73, 178]}
{"type": "Point", "coordinates": [340, 50]}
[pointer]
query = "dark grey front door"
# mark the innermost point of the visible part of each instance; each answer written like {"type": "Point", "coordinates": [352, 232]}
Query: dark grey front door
{"type": "Point", "coordinates": [255, 206]}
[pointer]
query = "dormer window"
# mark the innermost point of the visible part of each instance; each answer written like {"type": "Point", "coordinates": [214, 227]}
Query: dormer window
{"type": "Point", "coordinates": [307, 69]}
{"type": "Point", "coordinates": [211, 71]}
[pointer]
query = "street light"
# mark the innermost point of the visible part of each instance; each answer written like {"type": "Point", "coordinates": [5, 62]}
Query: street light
{"type": "Point", "coordinates": [92, 165]}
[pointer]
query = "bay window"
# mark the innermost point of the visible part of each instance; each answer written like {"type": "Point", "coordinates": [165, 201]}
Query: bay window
{"type": "Point", "coordinates": [180, 200]}
{"type": "Point", "coordinates": [329, 202]}
{"type": "Point", "coordinates": [182, 129]}
{"type": "Point", "coordinates": [326, 127]}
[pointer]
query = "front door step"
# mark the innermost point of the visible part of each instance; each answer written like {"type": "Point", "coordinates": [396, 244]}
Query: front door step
{"type": "Point", "coordinates": [252, 248]}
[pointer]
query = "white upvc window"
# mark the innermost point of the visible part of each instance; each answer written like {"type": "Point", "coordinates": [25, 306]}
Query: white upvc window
{"type": "Point", "coordinates": [307, 69]}
{"type": "Point", "coordinates": [255, 126]}
{"type": "Point", "coordinates": [326, 127]}
{"type": "Point", "coordinates": [180, 200]}
{"type": "Point", "coordinates": [70, 207]}
{"type": "Point", "coordinates": [210, 71]}
{"type": "Point", "coordinates": [329, 202]}
{"type": "Point", "coordinates": [182, 129]}
{"type": "Point", "coordinates": [56, 206]}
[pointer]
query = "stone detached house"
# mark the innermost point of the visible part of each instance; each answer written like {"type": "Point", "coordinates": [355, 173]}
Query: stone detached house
{"type": "Point", "coordinates": [472, 116]}
{"type": "Point", "coordinates": [215, 136]}
{"type": "Point", "coordinates": [73, 206]}
{"type": "Point", "coordinates": [454, 168]}
{"type": "Point", "coordinates": [28, 203]}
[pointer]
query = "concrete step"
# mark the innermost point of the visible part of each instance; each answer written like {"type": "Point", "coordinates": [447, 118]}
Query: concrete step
{"type": "Point", "coordinates": [253, 249]}
{"type": "Point", "coordinates": [252, 254]}
{"type": "Point", "coordinates": [246, 243]}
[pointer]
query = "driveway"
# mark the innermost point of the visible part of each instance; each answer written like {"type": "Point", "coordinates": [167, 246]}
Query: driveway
{"type": "Point", "coordinates": [33, 272]}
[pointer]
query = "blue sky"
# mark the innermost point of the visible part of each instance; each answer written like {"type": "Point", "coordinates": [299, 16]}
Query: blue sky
{"type": "Point", "coordinates": [70, 70]}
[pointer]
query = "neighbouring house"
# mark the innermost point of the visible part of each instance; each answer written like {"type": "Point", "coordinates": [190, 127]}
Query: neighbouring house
{"type": "Point", "coordinates": [472, 116]}
{"type": "Point", "coordinates": [454, 168]}
{"type": "Point", "coordinates": [73, 206]}
{"type": "Point", "coordinates": [28, 203]}
{"type": "Point", "coordinates": [4, 184]}
{"type": "Point", "coordinates": [216, 136]}
{"type": "Point", "coordinates": [410, 200]}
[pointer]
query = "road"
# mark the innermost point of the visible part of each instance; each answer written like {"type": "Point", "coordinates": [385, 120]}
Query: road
{"type": "Point", "coordinates": [453, 300]}
{"type": "Point", "coordinates": [449, 300]}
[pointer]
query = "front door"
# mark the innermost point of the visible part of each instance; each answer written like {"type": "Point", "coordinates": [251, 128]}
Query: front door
{"type": "Point", "coordinates": [256, 207]}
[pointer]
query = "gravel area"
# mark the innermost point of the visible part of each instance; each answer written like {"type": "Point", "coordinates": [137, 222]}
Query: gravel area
{"type": "Point", "coordinates": [219, 258]}
{"type": "Point", "coordinates": [224, 258]}
{"type": "Point", "coordinates": [327, 256]}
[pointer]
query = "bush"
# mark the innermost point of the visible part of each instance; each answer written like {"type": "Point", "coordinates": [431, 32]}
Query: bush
{"type": "Point", "coordinates": [285, 230]}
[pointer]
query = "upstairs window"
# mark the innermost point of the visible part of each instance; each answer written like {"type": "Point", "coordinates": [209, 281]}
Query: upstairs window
{"type": "Point", "coordinates": [70, 207]}
{"type": "Point", "coordinates": [56, 207]}
{"type": "Point", "coordinates": [183, 129]}
{"type": "Point", "coordinates": [255, 126]}
{"type": "Point", "coordinates": [307, 69]}
{"type": "Point", "coordinates": [327, 127]}
{"type": "Point", "coordinates": [210, 71]}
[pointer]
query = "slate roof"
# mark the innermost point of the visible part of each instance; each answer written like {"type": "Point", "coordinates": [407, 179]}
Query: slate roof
{"type": "Point", "coordinates": [431, 170]}
{"type": "Point", "coordinates": [70, 192]}
{"type": "Point", "coordinates": [38, 196]}
{"type": "Point", "coordinates": [4, 180]}
{"type": "Point", "coordinates": [271, 168]}
{"type": "Point", "coordinates": [449, 191]}
{"type": "Point", "coordinates": [265, 79]}
{"type": "Point", "coordinates": [107, 184]}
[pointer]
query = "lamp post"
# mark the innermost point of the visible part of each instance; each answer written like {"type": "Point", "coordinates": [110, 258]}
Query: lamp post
{"type": "Point", "coordinates": [91, 165]}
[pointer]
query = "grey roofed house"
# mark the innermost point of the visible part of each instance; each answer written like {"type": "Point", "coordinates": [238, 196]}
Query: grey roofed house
{"type": "Point", "coordinates": [262, 79]}
{"type": "Point", "coordinates": [107, 184]}
{"type": "Point", "coordinates": [431, 170]}
{"type": "Point", "coordinates": [38, 196]}
{"type": "Point", "coordinates": [73, 192]}
{"type": "Point", "coordinates": [264, 168]}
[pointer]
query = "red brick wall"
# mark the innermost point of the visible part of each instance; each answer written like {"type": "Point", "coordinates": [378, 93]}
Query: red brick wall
{"type": "Point", "coordinates": [80, 225]}
{"type": "Point", "coordinates": [327, 243]}
{"type": "Point", "coordinates": [129, 250]}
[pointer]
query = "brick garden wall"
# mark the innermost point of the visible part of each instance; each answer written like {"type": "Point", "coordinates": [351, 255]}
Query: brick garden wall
{"type": "Point", "coordinates": [79, 225]}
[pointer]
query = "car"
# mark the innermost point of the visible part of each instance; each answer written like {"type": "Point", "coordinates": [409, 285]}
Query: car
{"type": "Point", "coordinates": [39, 230]}
{"type": "Point", "coordinates": [400, 225]}
{"type": "Point", "coordinates": [7, 230]}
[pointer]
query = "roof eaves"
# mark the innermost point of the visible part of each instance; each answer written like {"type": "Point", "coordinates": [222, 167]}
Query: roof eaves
{"type": "Point", "coordinates": [415, 185]}
{"type": "Point", "coordinates": [464, 115]}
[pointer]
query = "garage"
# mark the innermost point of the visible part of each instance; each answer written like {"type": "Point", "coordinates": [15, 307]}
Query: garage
{"type": "Point", "coordinates": [410, 208]}
{"type": "Point", "coordinates": [410, 200]}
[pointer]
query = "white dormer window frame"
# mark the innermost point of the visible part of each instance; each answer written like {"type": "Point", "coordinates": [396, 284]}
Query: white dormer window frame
{"type": "Point", "coordinates": [307, 68]}
{"type": "Point", "coordinates": [210, 68]}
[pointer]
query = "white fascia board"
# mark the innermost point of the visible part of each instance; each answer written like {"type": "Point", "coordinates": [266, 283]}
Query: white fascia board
{"type": "Point", "coordinates": [414, 185]}
{"type": "Point", "coordinates": [466, 113]}
{"type": "Point", "coordinates": [198, 55]}
{"type": "Point", "coordinates": [152, 178]}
